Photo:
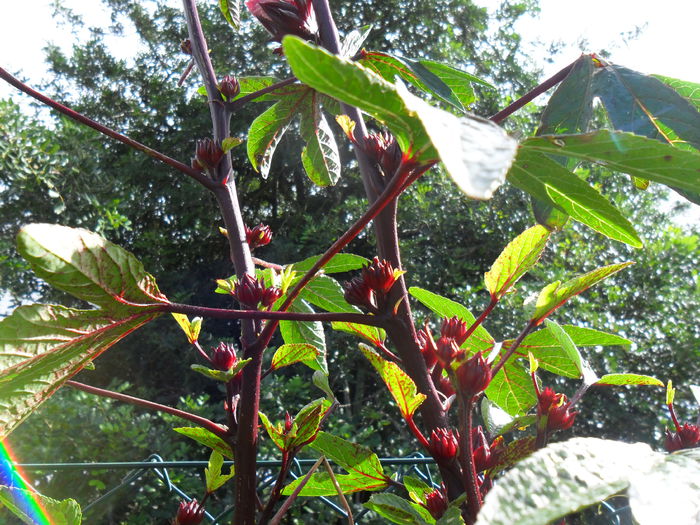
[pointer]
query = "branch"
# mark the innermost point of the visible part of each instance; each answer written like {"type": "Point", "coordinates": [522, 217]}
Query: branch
{"type": "Point", "coordinates": [222, 313]}
{"type": "Point", "coordinates": [530, 326]}
{"type": "Point", "coordinates": [79, 117]}
{"type": "Point", "coordinates": [198, 420]}
{"type": "Point", "coordinates": [288, 502]}
{"type": "Point", "coordinates": [240, 102]}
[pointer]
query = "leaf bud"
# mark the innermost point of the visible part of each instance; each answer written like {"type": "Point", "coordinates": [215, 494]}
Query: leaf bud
{"type": "Point", "coordinates": [189, 513]}
{"type": "Point", "coordinates": [427, 347]}
{"type": "Point", "coordinates": [473, 375]}
{"type": "Point", "coordinates": [288, 422]}
{"type": "Point", "coordinates": [186, 46]}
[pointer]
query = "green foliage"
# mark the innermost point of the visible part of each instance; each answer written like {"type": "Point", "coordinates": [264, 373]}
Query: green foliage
{"type": "Point", "coordinates": [66, 512]}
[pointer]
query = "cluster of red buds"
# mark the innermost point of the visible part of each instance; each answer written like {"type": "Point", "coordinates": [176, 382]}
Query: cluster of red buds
{"type": "Point", "coordinates": [189, 513]}
{"type": "Point", "coordinates": [473, 375]}
{"type": "Point", "coordinates": [369, 290]}
{"type": "Point", "coordinates": [285, 17]}
{"type": "Point", "coordinates": [556, 408]}
{"type": "Point", "coordinates": [443, 444]}
{"type": "Point", "coordinates": [427, 347]}
{"type": "Point", "coordinates": [251, 293]}
{"type": "Point", "coordinates": [223, 357]}
{"type": "Point", "coordinates": [436, 502]}
{"type": "Point", "coordinates": [260, 235]}
{"type": "Point", "coordinates": [686, 436]}
{"type": "Point", "coordinates": [229, 87]}
{"type": "Point", "coordinates": [208, 154]}
{"type": "Point", "coordinates": [485, 455]}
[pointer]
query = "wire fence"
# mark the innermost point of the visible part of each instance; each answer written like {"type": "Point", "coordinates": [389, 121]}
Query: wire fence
{"type": "Point", "coordinates": [612, 512]}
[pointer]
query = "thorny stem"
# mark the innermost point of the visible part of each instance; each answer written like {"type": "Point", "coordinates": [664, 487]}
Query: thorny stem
{"type": "Point", "coordinates": [79, 117]}
{"type": "Point", "coordinates": [532, 94]}
{"type": "Point", "coordinates": [222, 313]}
{"type": "Point", "coordinates": [530, 326]}
{"type": "Point", "coordinates": [201, 421]}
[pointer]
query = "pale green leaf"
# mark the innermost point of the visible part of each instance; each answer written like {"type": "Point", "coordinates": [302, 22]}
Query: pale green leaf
{"type": "Point", "coordinates": [628, 379]}
{"type": "Point", "coordinates": [206, 438]}
{"type": "Point", "coordinates": [566, 344]}
{"type": "Point", "coordinates": [296, 353]}
{"type": "Point", "coordinates": [23, 504]}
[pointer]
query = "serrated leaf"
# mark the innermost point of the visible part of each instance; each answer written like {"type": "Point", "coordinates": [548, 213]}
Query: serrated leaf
{"type": "Point", "coordinates": [688, 90]}
{"type": "Point", "coordinates": [417, 489]}
{"type": "Point", "coordinates": [34, 508]}
{"type": "Point", "coordinates": [583, 471]}
{"type": "Point", "coordinates": [326, 293]}
{"type": "Point", "coordinates": [230, 142]}
{"type": "Point", "coordinates": [321, 484]}
{"type": "Point", "coordinates": [370, 333]}
{"type": "Point", "coordinates": [231, 9]}
{"type": "Point", "coordinates": [627, 153]}
{"type": "Point", "coordinates": [458, 81]}
{"type": "Point", "coordinates": [521, 254]}
{"type": "Point", "coordinates": [307, 422]}
{"type": "Point", "coordinates": [208, 439]}
{"type": "Point", "coordinates": [305, 332]}
{"type": "Point", "coordinates": [511, 389]}
{"type": "Point", "coordinates": [275, 432]}
{"type": "Point", "coordinates": [628, 379]}
{"type": "Point", "coordinates": [556, 294]}
{"type": "Point", "coordinates": [398, 510]}
{"type": "Point", "coordinates": [296, 353]}
{"type": "Point", "coordinates": [476, 153]}
{"type": "Point", "coordinates": [433, 83]}
{"type": "Point", "coordinates": [401, 387]}
{"type": "Point", "coordinates": [42, 346]}
{"type": "Point", "coordinates": [480, 340]}
{"type": "Point", "coordinates": [191, 329]}
{"type": "Point", "coordinates": [320, 156]}
{"type": "Point", "coordinates": [212, 473]}
{"type": "Point", "coordinates": [221, 375]}
{"type": "Point", "coordinates": [339, 263]}
{"type": "Point", "coordinates": [351, 456]}
{"type": "Point", "coordinates": [88, 267]}
{"type": "Point", "coordinates": [566, 343]}
{"type": "Point", "coordinates": [552, 184]}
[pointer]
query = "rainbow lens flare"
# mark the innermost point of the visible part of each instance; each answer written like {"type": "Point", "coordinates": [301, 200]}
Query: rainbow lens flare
{"type": "Point", "coordinates": [26, 499]}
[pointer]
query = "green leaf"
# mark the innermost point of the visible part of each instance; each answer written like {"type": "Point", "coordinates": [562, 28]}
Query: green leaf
{"type": "Point", "coordinates": [267, 129]}
{"type": "Point", "coordinates": [499, 422]}
{"type": "Point", "coordinates": [256, 83]}
{"type": "Point", "coordinates": [88, 267]}
{"type": "Point", "coordinates": [339, 263]}
{"type": "Point", "coordinates": [433, 83]}
{"type": "Point", "coordinates": [307, 421]}
{"type": "Point", "coordinates": [417, 489]}
{"type": "Point", "coordinates": [17, 501]}
{"type": "Point", "coordinates": [632, 154]}
{"type": "Point", "coordinates": [554, 295]}
{"type": "Point", "coordinates": [296, 353]}
{"type": "Point", "coordinates": [628, 379]}
{"type": "Point", "coordinates": [521, 254]}
{"type": "Point", "coordinates": [401, 387]}
{"type": "Point", "coordinates": [231, 9]}
{"type": "Point", "coordinates": [512, 389]}
{"type": "Point", "coordinates": [476, 152]}
{"type": "Point", "coordinates": [326, 293]}
{"type": "Point", "coordinates": [320, 156]}
{"type": "Point", "coordinates": [552, 184]}
{"type": "Point", "coordinates": [661, 487]}
{"type": "Point", "coordinates": [320, 381]}
{"type": "Point", "coordinates": [208, 439]}
{"type": "Point", "coordinates": [221, 375]}
{"type": "Point", "coordinates": [581, 336]}
{"type": "Point", "coordinates": [458, 81]}
{"type": "Point", "coordinates": [305, 332]}
{"type": "Point", "coordinates": [570, 350]}
{"type": "Point", "coordinates": [351, 456]}
{"type": "Point", "coordinates": [230, 142]}
{"type": "Point", "coordinates": [370, 333]}
{"type": "Point", "coordinates": [399, 510]}
{"type": "Point", "coordinates": [644, 105]}
{"type": "Point", "coordinates": [480, 340]}
{"type": "Point", "coordinates": [321, 484]}
{"type": "Point", "coordinates": [42, 346]}
{"type": "Point", "coordinates": [214, 477]}
{"type": "Point", "coordinates": [275, 432]}
{"type": "Point", "coordinates": [688, 90]}
{"type": "Point", "coordinates": [452, 516]}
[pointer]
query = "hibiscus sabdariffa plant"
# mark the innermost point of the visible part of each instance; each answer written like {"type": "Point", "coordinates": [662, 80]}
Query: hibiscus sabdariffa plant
{"type": "Point", "coordinates": [478, 406]}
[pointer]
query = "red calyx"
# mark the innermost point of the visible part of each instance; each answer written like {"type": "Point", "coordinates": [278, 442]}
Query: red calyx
{"type": "Point", "coordinates": [443, 444]}
{"type": "Point", "coordinates": [224, 357]}
{"type": "Point", "coordinates": [260, 235]}
{"type": "Point", "coordinates": [285, 17]}
{"type": "Point", "coordinates": [189, 513]}
{"type": "Point", "coordinates": [473, 375]}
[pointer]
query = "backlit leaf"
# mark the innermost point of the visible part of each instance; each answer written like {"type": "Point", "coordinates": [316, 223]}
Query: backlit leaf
{"type": "Point", "coordinates": [231, 9]}
{"type": "Point", "coordinates": [370, 333]}
{"type": "Point", "coordinates": [320, 155]}
{"type": "Point", "coordinates": [398, 510]}
{"type": "Point", "coordinates": [566, 343]}
{"type": "Point", "coordinates": [628, 379]}
{"type": "Point", "coordinates": [30, 507]}
{"type": "Point", "coordinates": [305, 332]}
{"type": "Point", "coordinates": [512, 389]}
{"type": "Point", "coordinates": [326, 293]}
{"type": "Point", "coordinates": [207, 438]}
{"type": "Point", "coordinates": [296, 353]}
{"type": "Point", "coordinates": [212, 473]}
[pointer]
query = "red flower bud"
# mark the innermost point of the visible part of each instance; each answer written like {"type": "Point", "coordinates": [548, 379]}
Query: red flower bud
{"type": "Point", "coordinates": [269, 296]}
{"type": "Point", "coordinates": [445, 386]}
{"type": "Point", "coordinates": [443, 444]}
{"type": "Point", "coordinates": [454, 328]}
{"type": "Point", "coordinates": [379, 275]}
{"type": "Point", "coordinates": [250, 292]}
{"type": "Point", "coordinates": [224, 357]}
{"type": "Point", "coordinates": [288, 422]}
{"type": "Point", "coordinates": [557, 409]}
{"type": "Point", "coordinates": [229, 87]}
{"type": "Point", "coordinates": [209, 153]}
{"type": "Point", "coordinates": [473, 375]}
{"type": "Point", "coordinates": [427, 347]}
{"type": "Point", "coordinates": [285, 17]}
{"type": "Point", "coordinates": [447, 351]}
{"type": "Point", "coordinates": [383, 150]}
{"type": "Point", "coordinates": [260, 235]}
{"type": "Point", "coordinates": [189, 513]}
{"type": "Point", "coordinates": [481, 451]}
{"type": "Point", "coordinates": [358, 293]}
{"type": "Point", "coordinates": [436, 502]}
{"type": "Point", "coordinates": [687, 436]}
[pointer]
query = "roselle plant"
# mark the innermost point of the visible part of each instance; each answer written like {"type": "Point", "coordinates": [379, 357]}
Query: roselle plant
{"type": "Point", "coordinates": [478, 406]}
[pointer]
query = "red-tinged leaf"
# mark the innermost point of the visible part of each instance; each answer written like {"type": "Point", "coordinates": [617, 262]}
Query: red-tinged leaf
{"type": "Point", "coordinates": [275, 432]}
{"type": "Point", "coordinates": [401, 387]}
{"type": "Point", "coordinates": [512, 389]}
{"type": "Point", "coordinates": [88, 267]}
{"type": "Point", "coordinates": [321, 484]}
{"type": "Point", "coordinates": [231, 9]}
{"type": "Point", "coordinates": [514, 452]}
{"type": "Point", "coordinates": [352, 457]}
{"type": "Point", "coordinates": [296, 353]}
{"type": "Point", "coordinates": [480, 340]}
{"type": "Point", "coordinates": [42, 346]}
{"type": "Point", "coordinates": [212, 473]}
{"type": "Point", "coordinates": [556, 294]}
{"type": "Point", "coordinates": [567, 345]}
{"type": "Point", "coordinates": [521, 254]}
{"type": "Point", "coordinates": [628, 379]}
{"type": "Point", "coordinates": [307, 421]}
{"type": "Point", "coordinates": [305, 332]}
{"type": "Point", "coordinates": [371, 333]}
{"type": "Point", "coordinates": [208, 439]}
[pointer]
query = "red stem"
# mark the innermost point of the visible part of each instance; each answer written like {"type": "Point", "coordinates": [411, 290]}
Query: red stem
{"type": "Point", "coordinates": [150, 405]}
{"type": "Point", "coordinates": [531, 95]}
{"type": "Point", "coordinates": [416, 432]}
{"type": "Point", "coordinates": [184, 168]}
{"type": "Point", "coordinates": [240, 102]}
{"type": "Point", "coordinates": [530, 326]}
{"type": "Point", "coordinates": [480, 319]}
{"type": "Point", "coordinates": [673, 417]}
{"type": "Point", "coordinates": [466, 448]}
